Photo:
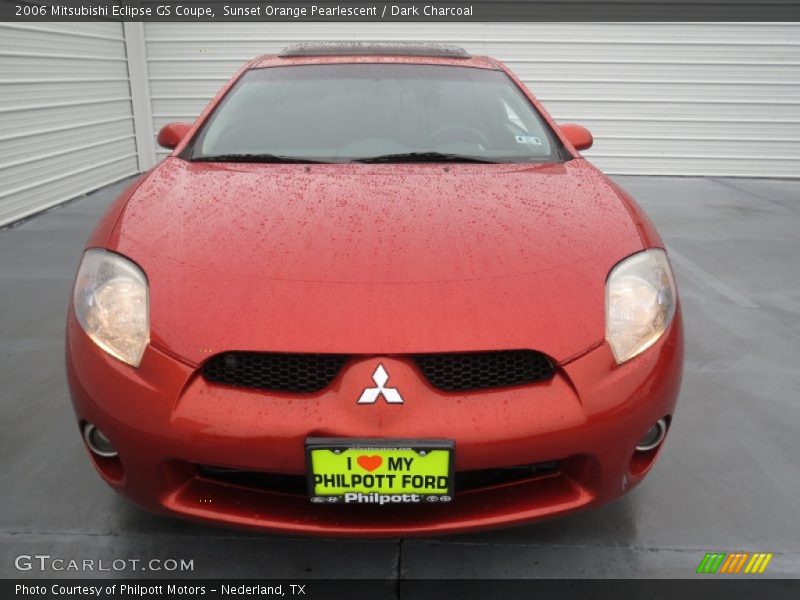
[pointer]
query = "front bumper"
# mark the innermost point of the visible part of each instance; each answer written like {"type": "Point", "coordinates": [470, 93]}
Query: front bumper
{"type": "Point", "coordinates": [166, 421]}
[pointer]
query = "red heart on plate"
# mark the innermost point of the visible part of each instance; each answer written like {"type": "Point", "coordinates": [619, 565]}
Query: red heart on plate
{"type": "Point", "coordinates": [369, 463]}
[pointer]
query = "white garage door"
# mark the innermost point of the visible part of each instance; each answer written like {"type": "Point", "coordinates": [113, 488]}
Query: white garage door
{"type": "Point", "coordinates": [677, 99]}
{"type": "Point", "coordinates": [66, 126]}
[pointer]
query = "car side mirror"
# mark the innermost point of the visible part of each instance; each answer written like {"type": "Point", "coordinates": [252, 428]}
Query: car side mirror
{"type": "Point", "coordinates": [577, 135]}
{"type": "Point", "coordinates": [172, 134]}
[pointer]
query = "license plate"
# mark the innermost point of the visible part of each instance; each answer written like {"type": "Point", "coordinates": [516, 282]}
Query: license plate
{"type": "Point", "coordinates": [383, 472]}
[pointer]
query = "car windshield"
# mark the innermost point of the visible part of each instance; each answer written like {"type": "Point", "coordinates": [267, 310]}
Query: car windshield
{"type": "Point", "coordinates": [375, 113]}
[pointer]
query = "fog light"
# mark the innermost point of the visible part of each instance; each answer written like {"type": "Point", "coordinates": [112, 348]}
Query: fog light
{"type": "Point", "coordinates": [98, 442]}
{"type": "Point", "coordinates": [653, 437]}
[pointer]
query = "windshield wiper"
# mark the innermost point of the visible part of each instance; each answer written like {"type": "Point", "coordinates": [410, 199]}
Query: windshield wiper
{"type": "Point", "coordinates": [413, 157]}
{"type": "Point", "coordinates": [254, 158]}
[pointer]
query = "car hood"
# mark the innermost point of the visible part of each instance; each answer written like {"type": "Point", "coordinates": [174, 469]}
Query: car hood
{"type": "Point", "coordinates": [375, 259]}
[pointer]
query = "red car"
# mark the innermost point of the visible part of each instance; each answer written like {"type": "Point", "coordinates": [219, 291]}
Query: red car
{"type": "Point", "coordinates": [374, 290]}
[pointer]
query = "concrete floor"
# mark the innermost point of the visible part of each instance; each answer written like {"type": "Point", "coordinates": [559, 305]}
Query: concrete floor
{"type": "Point", "coordinates": [728, 480]}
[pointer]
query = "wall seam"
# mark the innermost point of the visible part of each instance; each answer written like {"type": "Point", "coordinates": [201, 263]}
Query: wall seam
{"type": "Point", "coordinates": [136, 53]}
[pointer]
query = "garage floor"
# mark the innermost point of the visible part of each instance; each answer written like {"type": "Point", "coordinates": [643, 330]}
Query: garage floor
{"type": "Point", "coordinates": [728, 479]}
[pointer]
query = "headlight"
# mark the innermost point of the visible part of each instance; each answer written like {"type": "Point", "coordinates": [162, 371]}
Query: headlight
{"type": "Point", "coordinates": [640, 303]}
{"type": "Point", "coordinates": [112, 305]}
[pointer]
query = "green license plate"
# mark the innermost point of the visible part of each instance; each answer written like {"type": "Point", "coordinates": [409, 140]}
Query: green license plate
{"type": "Point", "coordinates": [383, 472]}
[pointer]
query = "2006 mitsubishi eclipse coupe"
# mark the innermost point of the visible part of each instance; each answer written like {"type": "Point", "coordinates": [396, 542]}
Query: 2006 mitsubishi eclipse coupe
{"type": "Point", "coordinates": [374, 290]}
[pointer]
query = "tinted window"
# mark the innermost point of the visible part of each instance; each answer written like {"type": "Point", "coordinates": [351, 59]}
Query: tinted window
{"type": "Point", "coordinates": [355, 111]}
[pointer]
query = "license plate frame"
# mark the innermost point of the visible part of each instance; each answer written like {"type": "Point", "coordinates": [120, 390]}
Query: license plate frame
{"type": "Point", "coordinates": [345, 446]}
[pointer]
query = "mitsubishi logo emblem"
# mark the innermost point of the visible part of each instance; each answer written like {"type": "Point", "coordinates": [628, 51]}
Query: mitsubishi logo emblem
{"type": "Point", "coordinates": [371, 394]}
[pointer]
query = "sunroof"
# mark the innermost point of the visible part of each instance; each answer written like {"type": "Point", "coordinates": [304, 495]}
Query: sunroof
{"type": "Point", "coordinates": [360, 48]}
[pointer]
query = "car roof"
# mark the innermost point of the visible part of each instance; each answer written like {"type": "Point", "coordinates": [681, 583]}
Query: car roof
{"type": "Point", "coordinates": [363, 48]}
{"type": "Point", "coordinates": [360, 52]}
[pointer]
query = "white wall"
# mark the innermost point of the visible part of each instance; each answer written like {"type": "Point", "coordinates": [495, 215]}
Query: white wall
{"type": "Point", "coordinates": [678, 99]}
{"type": "Point", "coordinates": [66, 124]}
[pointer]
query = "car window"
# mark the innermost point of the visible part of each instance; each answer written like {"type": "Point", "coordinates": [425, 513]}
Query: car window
{"type": "Point", "coordinates": [343, 112]}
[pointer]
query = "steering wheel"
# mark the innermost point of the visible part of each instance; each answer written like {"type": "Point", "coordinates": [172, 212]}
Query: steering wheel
{"type": "Point", "coordinates": [475, 133]}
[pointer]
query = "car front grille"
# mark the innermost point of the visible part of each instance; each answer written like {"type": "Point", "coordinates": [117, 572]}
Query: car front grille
{"type": "Point", "coordinates": [308, 373]}
{"type": "Point", "coordinates": [281, 483]}
{"type": "Point", "coordinates": [483, 370]}
{"type": "Point", "coordinates": [297, 373]}
{"type": "Point", "coordinates": [297, 485]}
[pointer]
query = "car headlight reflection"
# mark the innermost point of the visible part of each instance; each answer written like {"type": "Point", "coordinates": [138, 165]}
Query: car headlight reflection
{"type": "Point", "coordinates": [640, 303]}
{"type": "Point", "coordinates": [111, 302]}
